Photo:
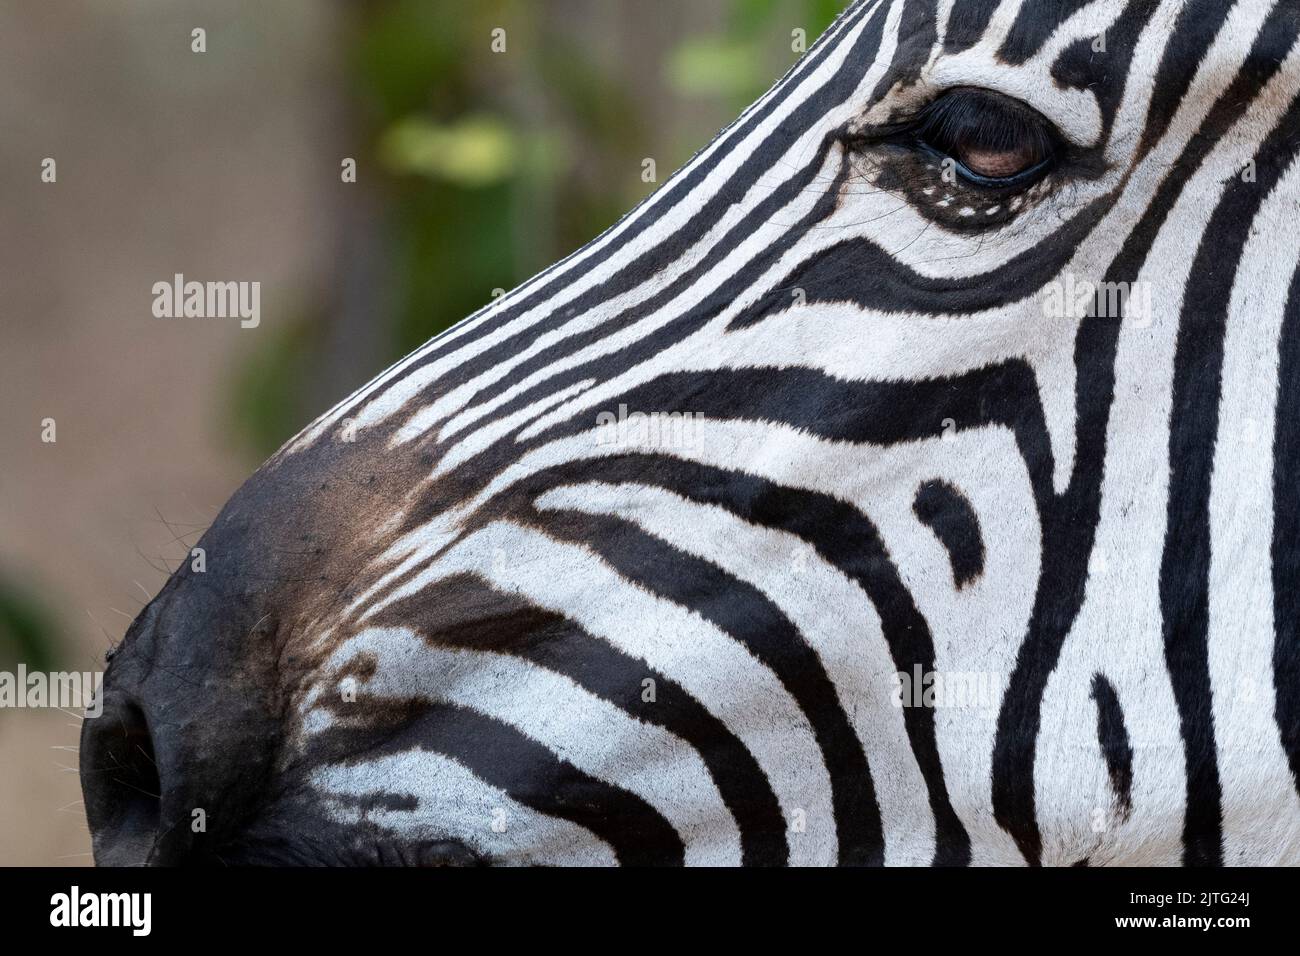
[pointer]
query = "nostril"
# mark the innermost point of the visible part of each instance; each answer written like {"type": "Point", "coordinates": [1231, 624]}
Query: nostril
{"type": "Point", "coordinates": [121, 785]}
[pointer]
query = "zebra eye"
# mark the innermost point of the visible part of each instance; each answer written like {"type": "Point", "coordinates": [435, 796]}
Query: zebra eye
{"type": "Point", "coordinates": [992, 139]}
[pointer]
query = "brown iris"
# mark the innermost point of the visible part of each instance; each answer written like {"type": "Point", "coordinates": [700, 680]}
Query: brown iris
{"type": "Point", "coordinates": [998, 163]}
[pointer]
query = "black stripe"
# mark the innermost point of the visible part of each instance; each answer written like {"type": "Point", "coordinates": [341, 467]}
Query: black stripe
{"type": "Point", "coordinates": [1112, 736]}
{"type": "Point", "coordinates": [967, 24]}
{"type": "Point", "coordinates": [529, 773]}
{"type": "Point", "coordinates": [1082, 67]}
{"type": "Point", "coordinates": [473, 473]}
{"type": "Point", "coordinates": [833, 92]}
{"type": "Point", "coordinates": [1069, 522]}
{"type": "Point", "coordinates": [678, 328]}
{"type": "Point", "coordinates": [1185, 568]}
{"type": "Point", "coordinates": [946, 511]}
{"type": "Point", "coordinates": [918, 30]}
{"type": "Point", "coordinates": [1286, 536]}
{"type": "Point", "coordinates": [745, 613]}
{"type": "Point", "coordinates": [877, 412]}
{"type": "Point", "coordinates": [1198, 23]}
{"type": "Point", "coordinates": [461, 611]}
{"type": "Point", "coordinates": [860, 271]}
{"type": "Point", "coordinates": [1034, 25]}
{"type": "Point", "coordinates": [844, 538]}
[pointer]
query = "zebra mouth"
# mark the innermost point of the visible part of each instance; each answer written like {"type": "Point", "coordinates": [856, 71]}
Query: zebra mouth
{"type": "Point", "coordinates": [442, 853]}
{"type": "Point", "coordinates": [304, 847]}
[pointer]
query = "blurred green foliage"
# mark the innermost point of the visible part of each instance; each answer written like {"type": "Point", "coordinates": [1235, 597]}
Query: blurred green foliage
{"type": "Point", "coordinates": [494, 166]}
{"type": "Point", "coordinates": [470, 152]}
{"type": "Point", "coordinates": [268, 394]}
{"type": "Point", "coordinates": [27, 631]}
{"type": "Point", "coordinates": [735, 66]}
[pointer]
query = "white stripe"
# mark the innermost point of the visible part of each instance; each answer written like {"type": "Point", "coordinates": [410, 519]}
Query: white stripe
{"type": "Point", "coordinates": [1218, 68]}
{"type": "Point", "coordinates": [791, 164]}
{"type": "Point", "coordinates": [832, 613]}
{"type": "Point", "coordinates": [454, 804]}
{"type": "Point", "coordinates": [594, 735]}
{"type": "Point", "coordinates": [1119, 630]}
{"type": "Point", "coordinates": [709, 664]}
{"type": "Point", "coordinates": [1261, 812]}
{"type": "Point", "coordinates": [984, 463]}
{"type": "Point", "coordinates": [391, 392]}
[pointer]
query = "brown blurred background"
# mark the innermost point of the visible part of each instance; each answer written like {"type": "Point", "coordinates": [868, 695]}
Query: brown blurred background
{"type": "Point", "coordinates": [474, 170]}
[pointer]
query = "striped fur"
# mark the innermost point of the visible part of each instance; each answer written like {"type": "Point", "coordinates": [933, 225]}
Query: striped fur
{"type": "Point", "coordinates": [463, 610]}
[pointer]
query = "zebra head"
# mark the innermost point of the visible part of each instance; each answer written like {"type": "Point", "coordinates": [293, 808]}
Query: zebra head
{"type": "Point", "coordinates": [911, 479]}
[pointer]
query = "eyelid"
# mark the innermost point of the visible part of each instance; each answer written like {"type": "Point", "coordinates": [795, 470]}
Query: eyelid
{"type": "Point", "coordinates": [971, 118]}
{"type": "Point", "coordinates": [987, 120]}
{"type": "Point", "coordinates": [1075, 114]}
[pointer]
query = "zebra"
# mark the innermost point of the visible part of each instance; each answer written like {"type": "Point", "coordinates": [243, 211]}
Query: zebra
{"type": "Point", "coordinates": [967, 532]}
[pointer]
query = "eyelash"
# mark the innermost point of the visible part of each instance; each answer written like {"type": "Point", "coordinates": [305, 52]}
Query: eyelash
{"type": "Point", "coordinates": [966, 117]}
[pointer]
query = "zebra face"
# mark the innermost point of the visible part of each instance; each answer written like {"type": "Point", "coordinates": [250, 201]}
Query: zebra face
{"type": "Point", "coordinates": [911, 479]}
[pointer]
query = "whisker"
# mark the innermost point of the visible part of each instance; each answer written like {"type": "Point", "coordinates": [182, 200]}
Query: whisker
{"type": "Point", "coordinates": [103, 630]}
{"type": "Point", "coordinates": [156, 796]}
{"type": "Point", "coordinates": [146, 754]}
